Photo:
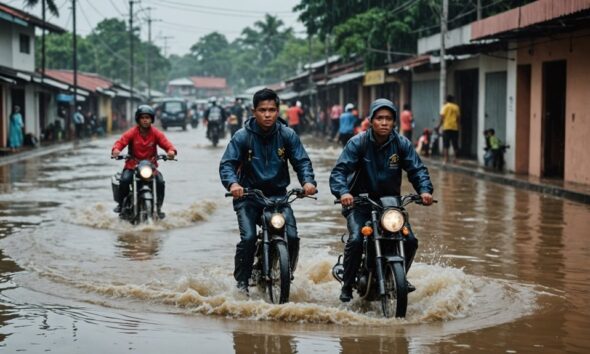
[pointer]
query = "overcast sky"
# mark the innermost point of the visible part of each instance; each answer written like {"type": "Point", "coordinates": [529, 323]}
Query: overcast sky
{"type": "Point", "coordinates": [183, 21]}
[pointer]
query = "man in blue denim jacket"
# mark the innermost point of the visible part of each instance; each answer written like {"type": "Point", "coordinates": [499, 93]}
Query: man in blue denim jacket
{"type": "Point", "coordinates": [256, 157]}
{"type": "Point", "coordinates": [372, 162]}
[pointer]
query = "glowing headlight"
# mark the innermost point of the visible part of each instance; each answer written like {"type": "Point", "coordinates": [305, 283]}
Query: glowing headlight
{"type": "Point", "coordinates": [146, 172]}
{"type": "Point", "coordinates": [277, 221]}
{"type": "Point", "coordinates": [392, 220]}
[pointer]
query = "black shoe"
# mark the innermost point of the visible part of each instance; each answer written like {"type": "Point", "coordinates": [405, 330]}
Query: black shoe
{"type": "Point", "coordinates": [410, 287]}
{"type": "Point", "coordinates": [243, 287]}
{"type": "Point", "coordinates": [346, 293]}
{"type": "Point", "coordinates": [117, 209]}
{"type": "Point", "coordinates": [161, 214]}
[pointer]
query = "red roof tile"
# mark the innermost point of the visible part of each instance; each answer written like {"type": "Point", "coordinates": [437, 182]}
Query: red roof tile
{"type": "Point", "coordinates": [90, 82]}
{"type": "Point", "coordinates": [208, 82]}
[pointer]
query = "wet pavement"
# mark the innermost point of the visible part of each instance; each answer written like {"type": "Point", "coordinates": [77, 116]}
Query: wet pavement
{"type": "Point", "coordinates": [499, 269]}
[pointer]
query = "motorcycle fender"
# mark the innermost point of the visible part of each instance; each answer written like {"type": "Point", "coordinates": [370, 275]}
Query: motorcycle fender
{"type": "Point", "coordinates": [146, 193]}
{"type": "Point", "coordinates": [394, 259]}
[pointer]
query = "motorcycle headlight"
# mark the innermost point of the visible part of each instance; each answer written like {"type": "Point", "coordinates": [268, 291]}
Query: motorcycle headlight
{"type": "Point", "coordinates": [146, 172]}
{"type": "Point", "coordinates": [277, 221]}
{"type": "Point", "coordinates": [392, 220]}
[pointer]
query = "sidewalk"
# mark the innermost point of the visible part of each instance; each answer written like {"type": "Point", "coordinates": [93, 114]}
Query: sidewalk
{"type": "Point", "coordinates": [28, 152]}
{"type": "Point", "coordinates": [572, 191]}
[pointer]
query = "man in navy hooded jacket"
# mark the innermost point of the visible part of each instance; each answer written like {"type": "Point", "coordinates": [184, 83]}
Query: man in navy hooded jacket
{"type": "Point", "coordinates": [256, 157]}
{"type": "Point", "coordinates": [372, 162]}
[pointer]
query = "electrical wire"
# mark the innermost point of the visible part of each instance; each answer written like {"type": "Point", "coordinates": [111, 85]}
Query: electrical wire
{"type": "Point", "coordinates": [222, 9]}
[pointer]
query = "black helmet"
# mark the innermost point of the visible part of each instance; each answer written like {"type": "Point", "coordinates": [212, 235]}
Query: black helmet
{"type": "Point", "coordinates": [144, 109]}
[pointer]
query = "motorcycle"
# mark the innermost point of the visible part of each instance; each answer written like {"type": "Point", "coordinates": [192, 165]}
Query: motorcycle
{"type": "Point", "coordinates": [382, 274]}
{"type": "Point", "coordinates": [214, 131]}
{"type": "Point", "coordinates": [139, 206]}
{"type": "Point", "coordinates": [272, 270]}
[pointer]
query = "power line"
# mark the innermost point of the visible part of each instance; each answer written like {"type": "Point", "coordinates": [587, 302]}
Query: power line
{"type": "Point", "coordinates": [222, 9]}
{"type": "Point", "coordinates": [189, 8]}
{"type": "Point", "coordinates": [116, 8]}
{"type": "Point", "coordinates": [101, 42]}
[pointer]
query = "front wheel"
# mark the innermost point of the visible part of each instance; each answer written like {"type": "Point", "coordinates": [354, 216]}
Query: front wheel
{"type": "Point", "coordinates": [280, 274]}
{"type": "Point", "coordinates": [146, 212]}
{"type": "Point", "coordinates": [396, 291]}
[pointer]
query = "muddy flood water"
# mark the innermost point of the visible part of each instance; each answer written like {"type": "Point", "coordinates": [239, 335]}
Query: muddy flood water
{"type": "Point", "coordinates": [499, 270]}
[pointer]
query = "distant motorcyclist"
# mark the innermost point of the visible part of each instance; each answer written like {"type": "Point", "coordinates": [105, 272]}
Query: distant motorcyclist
{"type": "Point", "coordinates": [143, 141]}
{"type": "Point", "coordinates": [257, 157]}
{"type": "Point", "coordinates": [236, 116]}
{"type": "Point", "coordinates": [214, 114]}
{"type": "Point", "coordinates": [372, 162]}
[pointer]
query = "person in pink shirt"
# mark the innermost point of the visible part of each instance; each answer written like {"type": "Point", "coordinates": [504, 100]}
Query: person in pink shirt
{"type": "Point", "coordinates": [406, 122]}
{"type": "Point", "coordinates": [335, 113]}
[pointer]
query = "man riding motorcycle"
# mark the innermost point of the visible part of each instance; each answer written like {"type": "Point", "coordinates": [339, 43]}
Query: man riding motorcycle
{"type": "Point", "coordinates": [372, 162]}
{"type": "Point", "coordinates": [143, 140]}
{"type": "Point", "coordinates": [215, 114]}
{"type": "Point", "coordinates": [256, 157]}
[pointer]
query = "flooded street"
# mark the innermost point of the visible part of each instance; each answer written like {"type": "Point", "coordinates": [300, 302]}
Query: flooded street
{"type": "Point", "coordinates": [498, 269]}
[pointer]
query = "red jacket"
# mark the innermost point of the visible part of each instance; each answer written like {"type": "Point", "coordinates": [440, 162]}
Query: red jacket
{"type": "Point", "coordinates": [143, 148]}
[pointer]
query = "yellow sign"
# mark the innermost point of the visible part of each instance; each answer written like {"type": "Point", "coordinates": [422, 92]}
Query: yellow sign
{"type": "Point", "coordinates": [375, 77]}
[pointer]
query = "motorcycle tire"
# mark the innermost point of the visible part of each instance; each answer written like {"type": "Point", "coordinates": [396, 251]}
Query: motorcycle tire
{"type": "Point", "coordinates": [395, 300]}
{"type": "Point", "coordinates": [280, 274]}
{"type": "Point", "coordinates": [146, 212]}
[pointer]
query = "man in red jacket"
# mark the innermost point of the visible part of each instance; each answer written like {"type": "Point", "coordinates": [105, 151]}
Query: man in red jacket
{"type": "Point", "coordinates": [143, 141]}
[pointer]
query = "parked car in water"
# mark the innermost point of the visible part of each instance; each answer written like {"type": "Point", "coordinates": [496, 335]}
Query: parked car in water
{"type": "Point", "coordinates": [174, 112]}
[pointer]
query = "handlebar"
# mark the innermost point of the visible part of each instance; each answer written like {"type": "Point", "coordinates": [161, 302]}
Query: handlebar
{"type": "Point", "coordinates": [126, 157]}
{"type": "Point", "coordinates": [298, 192]}
{"type": "Point", "coordinates": [406, 199]}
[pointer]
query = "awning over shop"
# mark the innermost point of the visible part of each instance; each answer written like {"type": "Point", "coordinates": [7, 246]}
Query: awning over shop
{"type": "Point", "coordinates": [408, 64]}
{"type": "Point", "coordinates": [7, 79]}
{"type": "Point", "coordinates": [345, 77]}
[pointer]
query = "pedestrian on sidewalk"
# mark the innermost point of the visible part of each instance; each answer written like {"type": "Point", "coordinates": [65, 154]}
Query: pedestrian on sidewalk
{"type": "Point", "coordinates": [406, 122]}
{"type": "Point", "coordinates": [335, 113]}
{"type": "Point", "coordinates": [347, 123]}
{"type": "Point", "coordinates": [78, 120]}
{"type": "Point", "coordinates": [15, 135]}
{"type": "Point", "coordinates": [449, 120]}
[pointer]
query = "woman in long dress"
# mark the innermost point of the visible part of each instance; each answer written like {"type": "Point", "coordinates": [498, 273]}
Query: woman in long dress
{"type": "Point", "coordinates": [15, 137]}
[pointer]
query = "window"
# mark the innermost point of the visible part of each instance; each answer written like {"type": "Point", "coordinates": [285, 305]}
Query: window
{"type": "Point", "coordinates": [25, 44]}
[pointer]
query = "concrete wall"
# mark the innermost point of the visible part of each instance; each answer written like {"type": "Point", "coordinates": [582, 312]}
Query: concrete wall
{"type": "Point", "coordinates": [23, 61]}
{"type": "Point", "coordinates": [575, 49]}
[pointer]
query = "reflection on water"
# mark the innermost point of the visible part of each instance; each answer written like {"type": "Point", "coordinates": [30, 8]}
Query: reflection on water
{"type": "Point", "coordinates": [248, 343]}
{"type": "Point", "coordinates": [139, 247]}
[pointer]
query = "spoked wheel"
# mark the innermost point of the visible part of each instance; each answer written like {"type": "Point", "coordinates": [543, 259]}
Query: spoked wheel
{"type": "Point", "coordinates": [280, 274]}
{"type": "Point", "coordinates": [395, 301]}
{"type": "Point", "coordinates": [147, 214]}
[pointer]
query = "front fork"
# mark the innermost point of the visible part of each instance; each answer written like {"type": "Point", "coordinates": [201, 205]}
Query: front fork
{"type": "Point", "coordinates": [135, 197]}
{"type": "Point", "coordinates": [378, 255]}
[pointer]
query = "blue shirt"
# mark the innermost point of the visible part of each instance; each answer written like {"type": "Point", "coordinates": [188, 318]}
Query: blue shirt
{"type": "Point", "coordinates": [347, 122]}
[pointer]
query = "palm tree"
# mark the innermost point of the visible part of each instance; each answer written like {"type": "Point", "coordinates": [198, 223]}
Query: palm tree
{"type": "Point", "coordinates": [49, 4]}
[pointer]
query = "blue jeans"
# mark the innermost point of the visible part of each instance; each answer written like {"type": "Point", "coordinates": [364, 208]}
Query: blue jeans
{"type": "Point", "coordinates": [249, 211]}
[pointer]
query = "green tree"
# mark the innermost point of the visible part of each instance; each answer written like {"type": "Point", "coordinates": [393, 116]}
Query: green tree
{"type": "Point", "coordinates": [49, 5]}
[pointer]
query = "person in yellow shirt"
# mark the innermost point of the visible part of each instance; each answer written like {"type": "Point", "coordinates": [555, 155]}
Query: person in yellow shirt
{"type": "Point", "coordinates": [450, 115]}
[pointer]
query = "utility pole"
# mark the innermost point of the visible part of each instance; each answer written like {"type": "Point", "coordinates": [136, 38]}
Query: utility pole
{"type": "Point", "coordinates": [131, 2]}
{"type": "Point", "coordinates": [166, 38]}
{"type": "Point", "coordinates": [149, 53]}
{"type": "Point", "coordinates": [43, 42]}
{"type": "Point", "coordinates": [443, 64]}
{"type": "Point", "coordinates": [74, 63]}
{"type": "Point", "coordinates": [478, 10]}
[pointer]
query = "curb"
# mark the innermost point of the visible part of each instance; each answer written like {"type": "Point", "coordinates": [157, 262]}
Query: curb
{"type": "Point", "coordinates": [511, 180]}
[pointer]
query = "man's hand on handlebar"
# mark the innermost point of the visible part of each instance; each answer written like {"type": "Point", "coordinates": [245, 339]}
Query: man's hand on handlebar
{"type": "Point", "coordinates": [426, 198]}
{"type": "Point", "coordinates": [171, 154]}
{"type": "Point", "coordinates": [346, 200]}
{"type": "Point", "coordinates": [236, 190]}
{"type": "Point", "coordinates": [115, 153]}
{"type": "Point", "coordinates": [309, 189]}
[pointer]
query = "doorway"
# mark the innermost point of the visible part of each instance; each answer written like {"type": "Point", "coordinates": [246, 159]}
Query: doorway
{"type": "Point", "coordinates": [467, 96]}
{"type": "Point", "coordinates": [554, 86]}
